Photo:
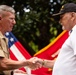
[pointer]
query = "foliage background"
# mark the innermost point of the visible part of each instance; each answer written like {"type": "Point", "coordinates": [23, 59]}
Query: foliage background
{"type": "Point", "coordinates": [36, 28]}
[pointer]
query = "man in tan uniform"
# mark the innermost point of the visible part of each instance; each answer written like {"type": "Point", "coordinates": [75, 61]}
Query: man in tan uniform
{"type": "Point", "coordinates": [7, 21]}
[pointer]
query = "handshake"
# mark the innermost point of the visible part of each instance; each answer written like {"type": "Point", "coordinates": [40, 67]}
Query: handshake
{"type": "Point", "coordinates": [36, 63]}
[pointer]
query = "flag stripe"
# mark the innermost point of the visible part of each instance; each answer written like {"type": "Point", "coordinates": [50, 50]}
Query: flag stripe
{"type": "Point", "coordinates": [22, 50]}
{"type": "Point", "coordinates": [12, 56]}
{"type": "Point", "coordinates": [17, 53]}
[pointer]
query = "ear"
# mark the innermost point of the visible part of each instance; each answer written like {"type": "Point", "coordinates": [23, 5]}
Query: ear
{"type": "Point", "coordinates": [73, 14]}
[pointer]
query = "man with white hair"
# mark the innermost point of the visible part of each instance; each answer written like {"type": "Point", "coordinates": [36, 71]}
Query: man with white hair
{"type": "Point", "coordinates": [7, 21]}
{"type": "Point", "coordinates": [65, 64]}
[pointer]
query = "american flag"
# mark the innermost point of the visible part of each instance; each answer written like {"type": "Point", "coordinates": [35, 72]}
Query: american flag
{"type": "Point", "coordinates": [17, 51]}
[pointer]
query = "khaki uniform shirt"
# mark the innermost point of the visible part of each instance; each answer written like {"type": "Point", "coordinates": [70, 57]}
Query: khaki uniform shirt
{"type": "Point", "coordinates": [4, 51]}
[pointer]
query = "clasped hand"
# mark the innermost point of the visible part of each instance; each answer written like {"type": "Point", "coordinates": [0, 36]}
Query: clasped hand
{"type": "Point", "coordinates": [35, 63]}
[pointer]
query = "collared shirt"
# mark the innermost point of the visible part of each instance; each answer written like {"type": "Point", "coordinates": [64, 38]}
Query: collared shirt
{"type": "Point", "coordinates": [66, 61]}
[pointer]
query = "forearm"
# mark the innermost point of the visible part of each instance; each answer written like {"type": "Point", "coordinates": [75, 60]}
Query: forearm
{"type": "Point", "coordinates": [48, 63]}
{"type": "Point", "coordinates": [8, 64]}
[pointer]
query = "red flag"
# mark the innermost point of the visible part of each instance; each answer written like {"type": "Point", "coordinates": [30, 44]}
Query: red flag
{"type": "Point", "coordinates": [17, 51]}
{"type": "Point", "coordinates": [50, 52]}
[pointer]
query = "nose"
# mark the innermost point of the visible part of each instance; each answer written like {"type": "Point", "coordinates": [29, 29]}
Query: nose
{"type": "Point", "coordinates": [14, 21]}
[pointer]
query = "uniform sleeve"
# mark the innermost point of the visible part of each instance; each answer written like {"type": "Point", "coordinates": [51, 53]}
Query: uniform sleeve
{"type": "Point", "coordinates": [1, 50]}
{"type": "Point", "coordinates": [1, 53]}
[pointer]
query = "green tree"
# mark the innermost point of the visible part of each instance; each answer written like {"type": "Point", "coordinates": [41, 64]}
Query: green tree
{"type": "Point", "coordinates": [36, 29]}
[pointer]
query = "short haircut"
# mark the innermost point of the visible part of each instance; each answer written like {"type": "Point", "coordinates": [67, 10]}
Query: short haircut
{"type": "Point", "coordinates": [6, 8]}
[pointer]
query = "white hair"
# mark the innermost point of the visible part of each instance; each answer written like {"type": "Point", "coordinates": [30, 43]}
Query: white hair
{"type": "Point", "coordinates": [5, 8]}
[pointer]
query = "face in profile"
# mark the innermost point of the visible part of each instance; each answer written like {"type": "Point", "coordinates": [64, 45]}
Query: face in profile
{"type": "Point", "coordinates": [66, 21]}
{"type": "Point", "coordinates": [8, 21]}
